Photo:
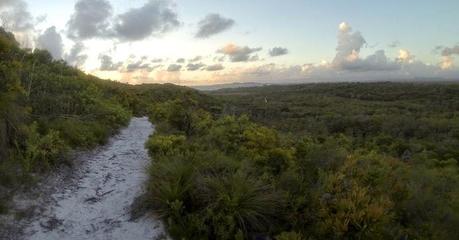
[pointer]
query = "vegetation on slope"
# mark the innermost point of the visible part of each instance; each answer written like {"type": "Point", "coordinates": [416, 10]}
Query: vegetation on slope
{"type": "Point", "coordinates": [223, 176]}
{"type": "Point", "coordinates": [48, 108]}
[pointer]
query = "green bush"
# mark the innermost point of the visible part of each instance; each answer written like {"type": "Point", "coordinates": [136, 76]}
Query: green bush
{"type": "Point", "coordinates": [42, 151]}
{"type": "Point", "coordinates": [78, 133]}
{"type": "Point", "coordinates": [160, 145]}
{"type": "Point", "coordinates": [238, 203]}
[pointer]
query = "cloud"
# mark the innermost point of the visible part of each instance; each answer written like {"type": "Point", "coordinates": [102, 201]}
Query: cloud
{"type": "Point", "coordinates": [394, 44]}
{"type": "Point", "coordinates": [268, 73]}
{"type": "Point", "coordinates": [213, 24]}
{"type": "Point", "coordinates": [216, 67]}
{"type": "Point", "coordinates": [448, 51]}
{"type": "Point", "coordinates": [40, 19]}
{"type": "Point", "coordinates": [404, 56]}
{"type": "Point", "coordinates": [273, 73]}
{"type": "Point", "coordinates": [348, 65]}
{"type": "Point", "coordinates": [94, 19]}
{"type": "Point", "coordinates": [437, 49]}
{"type": "Point", "coordinates": [344, 27]}
{"type": "Point", "coordinates": [107, 64]}
{"type": "Point", "coordinates": [155, 17]}
{"type": "Point", "coordinates": [15, 16]}
{"type": "Point", "coordinates": [239, 54]}
{"type": "Point", "coordinates": [195, 59]}
{"type": "Point", "coordinates": [156, 60]}
{"type": "Point", "coordinates": [447, 62]}
{"type": "Point", "coordinates": [219, 58]}
{"type": "Point", "coordinates": [349, 45]}
{"type": "Point", "coordinates": [194, 66]}
{"type": "Point", "coordinates": [375, 62]}
{"type": "Point", "coordinates": [181, 60]}
{"type": "Point", "coordinates": [174, 68]}
{"type": "Point", "coordinates": [348, 50]}
{"type": "Point", "coordinates": [254, 58]}
{"type": "Point", "coordinates": [6, 3]}
{"type": "Point", "coordinates": [447, 54]}
{"type": "Point", "coordinates": [75, 57]}
{"type": "Point", "coordinates": [90, 19]}
{"type": "Point", "coordinates": [418, 69]}
{"type": "Point", "coordinates": [278, 51]}
{"type": "Point", "coordinates": [141, 65]}
{"type": "Point", "coordinates": [51, 40]}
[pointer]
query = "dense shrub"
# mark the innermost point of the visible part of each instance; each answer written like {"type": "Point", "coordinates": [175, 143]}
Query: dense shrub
{"type": "Point", "coordinates": [235, 179]}
{"type": "Point", "coordinates": [42, 151]}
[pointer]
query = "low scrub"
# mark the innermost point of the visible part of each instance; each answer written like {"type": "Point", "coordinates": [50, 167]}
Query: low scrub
{"type": "Point", "coordinates": [235, 179]}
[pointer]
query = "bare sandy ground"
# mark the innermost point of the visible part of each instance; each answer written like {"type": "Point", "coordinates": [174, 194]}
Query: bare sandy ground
{"type": "Point", "coordinates": [95, 201]}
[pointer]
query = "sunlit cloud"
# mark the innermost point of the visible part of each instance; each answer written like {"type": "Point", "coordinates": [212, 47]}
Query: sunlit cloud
{"type": "Point", "coordinates": [447, 62]}
{"type": "Point", "coordinates": [405, 56]}
{"type": "Point", "coordinates": [447, 57]}
{"type": "Point", "coordinates": [238, 53]}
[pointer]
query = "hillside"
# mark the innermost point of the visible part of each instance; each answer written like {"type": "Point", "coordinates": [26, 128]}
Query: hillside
{"type": "Point", "coordinates": [48, 108]}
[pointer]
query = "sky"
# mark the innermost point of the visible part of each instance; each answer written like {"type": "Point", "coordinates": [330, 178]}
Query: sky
{"type": "Point", "coordinates": [203, 42]}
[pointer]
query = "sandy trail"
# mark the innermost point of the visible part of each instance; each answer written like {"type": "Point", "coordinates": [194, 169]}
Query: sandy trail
{"type": "Point", "coordinates": [97, 204]}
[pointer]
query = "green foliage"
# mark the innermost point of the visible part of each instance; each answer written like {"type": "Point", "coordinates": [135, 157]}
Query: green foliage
{"type": "Point", "coordinates": [289, 236]}
{"type": "Point", "coordinates": [43, 102]}
{"type": "Point", "coordinates": [351, 205]}
{"type": "Point", "coordinates": [42, 151]}
{"type": "Point", "coordinates": [351, 161]}
{"type": "Point", "coordinates": [392, 118]}
{"type": "Point", "coordinates": [181, 114]}
{"type": "Point", "coordinates": [160, 145]}
{"type": "Point", "coordinates": [238, 203]}
{"type": "Point", "coordinates": [80, 133]}
{"type": "Point", "coordinates": [172, 189]}
{"type": "Point", "coordinates": [202, 184]}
